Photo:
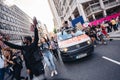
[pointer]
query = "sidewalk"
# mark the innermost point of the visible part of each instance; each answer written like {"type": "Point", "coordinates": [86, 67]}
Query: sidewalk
{"type": "Point", "coordinates": [115, 34]}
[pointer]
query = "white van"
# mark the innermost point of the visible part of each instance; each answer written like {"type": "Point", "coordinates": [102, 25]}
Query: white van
{"type": "Point", "coordinates": [74, 44]}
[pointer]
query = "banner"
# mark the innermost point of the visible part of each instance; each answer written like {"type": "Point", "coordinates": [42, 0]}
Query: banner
{"type": "Point", "coordinates": [108, 18]}
{"type": "Point", "coordinates": [77, 20]}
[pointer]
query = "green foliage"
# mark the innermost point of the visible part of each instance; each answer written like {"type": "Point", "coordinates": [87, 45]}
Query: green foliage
{"type": "Point", "coordinates": [55, 31]}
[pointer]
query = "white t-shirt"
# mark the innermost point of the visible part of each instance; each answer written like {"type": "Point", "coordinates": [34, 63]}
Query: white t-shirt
{"type": "Point", "coordinates": [2, 62]}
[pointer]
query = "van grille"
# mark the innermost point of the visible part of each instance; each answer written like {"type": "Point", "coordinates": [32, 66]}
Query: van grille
{"type": "Point", "coordinates": [78, 46]}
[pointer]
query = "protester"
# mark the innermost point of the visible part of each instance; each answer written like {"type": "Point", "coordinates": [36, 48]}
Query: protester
{"type": "Point", "coordinates": [9, 63]}
{"type": "Point", "coordinates": [114, 24]}
{"type": "Point", "coordinates": [100, 35]}
{"type": "Point", "coordinates": [54, 47]}
{"type": "Point", "coordinates": [17, 65]}
{"type": "Point", "coordinates": [108, 26]}
{"type": "Point", "coordinates": [92, 34]}
{"type": "Point", "coordinates": [118, 21]}
{"type": "Point", "coordinates": [30, 74]}
{"type": "Point", "coordinates": [104, 32]}
{"type": "Point", "coordinates": [2, 65]}
{"type": "Point", "coordinates": [48, 57]}
{"type": "Point", "coordinates": [33, 64]}
{"type": "Point", "coordinates": [65, 26]}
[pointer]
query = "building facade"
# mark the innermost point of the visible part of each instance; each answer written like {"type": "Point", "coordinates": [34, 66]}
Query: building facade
{"type": "Point", "coordinates": [89, 9]}
{"type": "Point", "coordinates": [14, 22]}
{"type": "Point", "coordinates": [42, 29]}
{"type": "Point", "coordinates": [56, 12]}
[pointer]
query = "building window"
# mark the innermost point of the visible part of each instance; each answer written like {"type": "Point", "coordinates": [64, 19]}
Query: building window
{"type": "Point", "coordinates": [4, 26]}
{"type": "Point", "coordinates": [70, 2]}
{"type": "Point", "coordinates": [67, 9]}
{"type": "Point", "coordinates": [0, 15]}
{"type": "Point", "coordinates": [64, 2]}
{"type": "Point", "coordinates": [4, 17]}
{"type": "Point", "coordinates": [1, 25]}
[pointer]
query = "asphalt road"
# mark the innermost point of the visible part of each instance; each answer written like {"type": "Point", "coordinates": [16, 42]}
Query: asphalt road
{"type": "Point", "coordinates": [103, 64]}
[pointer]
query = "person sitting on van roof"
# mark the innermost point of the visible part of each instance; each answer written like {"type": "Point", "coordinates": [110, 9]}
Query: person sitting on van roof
{"type": "Point", "coordinates": [65, 26]}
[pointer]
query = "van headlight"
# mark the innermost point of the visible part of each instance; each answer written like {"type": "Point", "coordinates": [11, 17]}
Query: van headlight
{"type": "Point", "coordinates": [64, 49]}
{"type": "Point", "coordinates": [89, 42]}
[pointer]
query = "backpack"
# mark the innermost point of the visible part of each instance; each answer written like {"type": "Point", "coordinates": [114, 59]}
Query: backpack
{"type": "Point", "coordinates": [37, 67]}
{"type": "Point", "coordinates": [36, 56]}
{"type": "Point", "coordinates": [18, 61]}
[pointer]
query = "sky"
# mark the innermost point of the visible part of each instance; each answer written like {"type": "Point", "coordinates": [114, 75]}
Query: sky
{"type": "Point", "coordinates": [38, 8]}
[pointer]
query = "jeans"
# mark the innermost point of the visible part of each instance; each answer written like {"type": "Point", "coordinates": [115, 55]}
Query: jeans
{"type": "Point", "coordinates": [115, 27]}
{"type": "Point", "coordinates": [2, 73]}
{"type": "Point", "coordinates": [17, 73]}
{"type": "Point", "coordinates": [48, 58]}
{"type": "Point", "coordinates": [31, 75]}
{"type": "Point", "coordinates": [55, 53]}
{"type": "Point", "coordinates": [8, 71]}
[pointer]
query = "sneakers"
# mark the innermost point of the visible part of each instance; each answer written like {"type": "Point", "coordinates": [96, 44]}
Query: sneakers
{"type": "Point", "coordinates": [105, 43]}
{"type": "Point", "coordinates": [111, 39]}
{"type": "Point", "coordinates": [95, 46]}
{"type": "Point", "coordinates": [54, 73]}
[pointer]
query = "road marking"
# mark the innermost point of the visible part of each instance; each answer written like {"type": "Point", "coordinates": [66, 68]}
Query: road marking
{"type": "Point", "coordinates": [115, 38]}
{"type": "Point", "coordinates": [114, 61]}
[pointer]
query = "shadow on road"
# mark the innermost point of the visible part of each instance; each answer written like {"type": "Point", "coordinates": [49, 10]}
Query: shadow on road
{"type": "Point", "coordinates": [87, 58]}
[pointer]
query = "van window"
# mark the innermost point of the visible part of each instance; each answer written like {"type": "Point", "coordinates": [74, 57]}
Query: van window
{"type": "Point", "coordinates": [67, 34]}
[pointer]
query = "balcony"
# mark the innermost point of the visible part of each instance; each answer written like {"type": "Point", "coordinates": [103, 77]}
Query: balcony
{"type": "Point", "coordinates": [73, 5]}
{"type": "Point", "coordinates": [67, 15]}
{"type": "Point", "coordinates": [70, 2]}
{"type": "Point", "coordinates": [109, 4]}
{"type": "Point", "coordinates": [93, 8]}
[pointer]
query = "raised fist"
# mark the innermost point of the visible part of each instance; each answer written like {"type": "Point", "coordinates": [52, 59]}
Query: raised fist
{"type": "Point", "coordinates": [32, 27]}
{"type": "Point", "coordinates": [35, 21]}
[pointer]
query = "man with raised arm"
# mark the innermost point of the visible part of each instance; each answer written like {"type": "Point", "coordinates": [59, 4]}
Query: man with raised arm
{"type": "Point", "coordinates": [33, 66]}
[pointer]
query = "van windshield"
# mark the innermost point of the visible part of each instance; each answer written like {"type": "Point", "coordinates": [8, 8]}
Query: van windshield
{"type": "Point", "coordinates": [69, 33]}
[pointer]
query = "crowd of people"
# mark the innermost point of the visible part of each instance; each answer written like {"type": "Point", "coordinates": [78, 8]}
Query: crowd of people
{"type": "Point", "coordinates": [99, 33]}
{"type": "Point", "coordinates": [11, 60]}
{"type": "Point", "coordinates": [34, 56]}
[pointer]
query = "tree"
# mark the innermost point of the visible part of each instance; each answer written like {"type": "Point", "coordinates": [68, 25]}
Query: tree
{"type": "Point", "coordinates": [55, 31]}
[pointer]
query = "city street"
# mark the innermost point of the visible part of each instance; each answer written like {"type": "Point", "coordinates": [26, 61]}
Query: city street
{"type": "Point", "coordinates": [70, 25]}
{"type": "Point", "coordinates": [104, 64]}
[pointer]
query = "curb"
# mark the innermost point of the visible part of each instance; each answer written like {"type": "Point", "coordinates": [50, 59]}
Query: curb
{"type": "Point", "coordinates": [115, 37]}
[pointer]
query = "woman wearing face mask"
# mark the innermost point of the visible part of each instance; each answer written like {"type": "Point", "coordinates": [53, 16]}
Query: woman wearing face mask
{"type": "Point", "coordinates": [48, 57]}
